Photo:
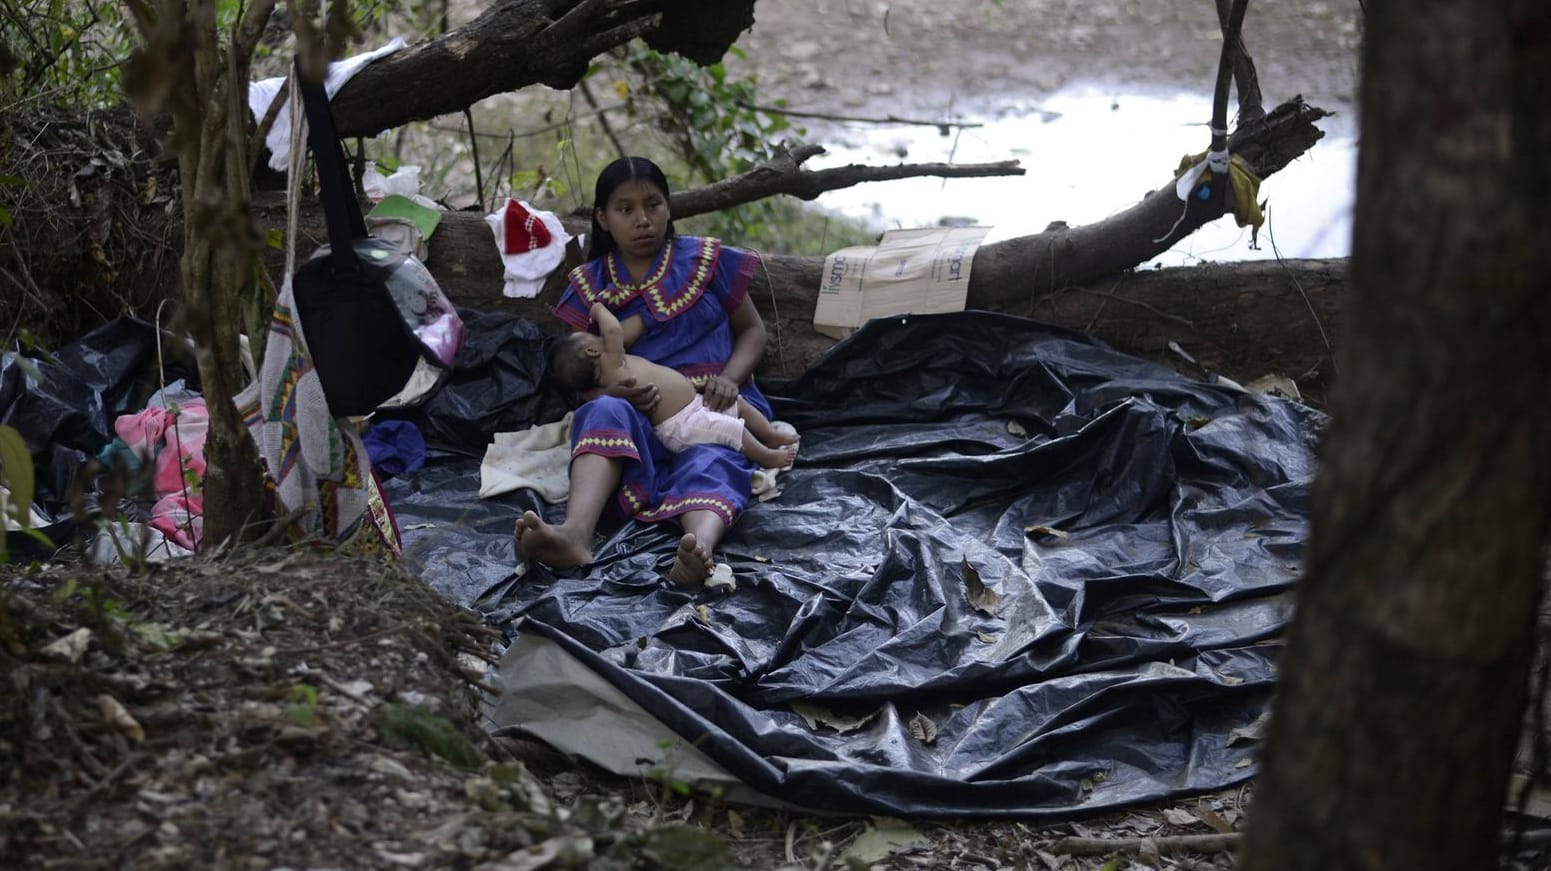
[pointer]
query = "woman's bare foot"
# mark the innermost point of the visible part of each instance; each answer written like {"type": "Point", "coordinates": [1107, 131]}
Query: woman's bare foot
{"type": "Point", "coordinates": [770, 458]}
{"type": "Point", "coordinates": [549, 544]}
{"type": "Point", "coordinates": [692, 565]}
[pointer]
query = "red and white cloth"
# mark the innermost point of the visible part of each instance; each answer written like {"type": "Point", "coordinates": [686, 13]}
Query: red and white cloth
{"type": "Point", "coordinates": [531, 243]}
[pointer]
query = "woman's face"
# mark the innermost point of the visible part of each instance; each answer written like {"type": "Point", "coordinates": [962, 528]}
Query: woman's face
{"type": "Point", "coordinates": [636, 215]}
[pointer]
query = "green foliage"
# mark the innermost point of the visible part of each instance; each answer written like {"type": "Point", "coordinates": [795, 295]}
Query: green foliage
{"type": "Point", "coordinates": [67, 51]}
{"type": "Point", "coordinates": [714, 123]}
{"type": "Point", "coordinates": [302, 706]}
{"type": "Point", "coordinates": [417, 728]}
{"type": "Point", "coordinates": [17, 485]}
{"type": "Point", "coordinates": [682, 848]}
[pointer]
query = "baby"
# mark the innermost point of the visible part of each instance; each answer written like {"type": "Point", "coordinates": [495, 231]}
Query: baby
{"type": "Point", "coordinates": [588, 365]}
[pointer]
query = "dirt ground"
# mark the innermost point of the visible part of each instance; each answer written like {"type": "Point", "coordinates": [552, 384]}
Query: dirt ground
{"type": "Point", "coordinates": [984, 58]}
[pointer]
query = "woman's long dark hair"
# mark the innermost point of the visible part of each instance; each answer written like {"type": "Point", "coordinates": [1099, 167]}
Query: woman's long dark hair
{"type": "Point", "coordinates": [615, 174]}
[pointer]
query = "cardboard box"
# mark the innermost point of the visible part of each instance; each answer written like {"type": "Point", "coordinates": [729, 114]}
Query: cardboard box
{"type": "Point", "coordinates": [910, 271]}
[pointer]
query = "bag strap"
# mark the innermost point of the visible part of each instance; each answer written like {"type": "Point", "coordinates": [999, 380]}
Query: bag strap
{"type": "Point", "coordinates": [340, 207]}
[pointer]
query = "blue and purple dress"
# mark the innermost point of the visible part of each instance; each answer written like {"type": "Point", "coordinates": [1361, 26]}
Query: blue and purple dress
{"type": "Point", "coordinates": [685, 304]}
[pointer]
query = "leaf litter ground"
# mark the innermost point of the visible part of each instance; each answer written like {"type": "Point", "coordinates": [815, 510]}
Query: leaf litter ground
{"type": "Point", "coordinates": [282, 709]}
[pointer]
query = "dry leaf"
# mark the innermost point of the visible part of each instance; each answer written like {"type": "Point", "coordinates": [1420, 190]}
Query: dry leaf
{"type": "Point", "coordinates": [1176, 816]}
{"type": "Point", "coordinates": [1253, 732]}
{"type": "Point", "coordinates": [703, 614]}
{"type": "Point", "coordinates": [71, 647]}
{"type": "Point", "coordinates": [817, 716]}
{"type": "Point", "coordinates": [1017, 429]}
{"type": "Point", "coordinates": [1210, 817]}
{"type": "Point", "coordinates": [1046, 530]}
{"type": "Point", "coordinates": [878, 842]}
{"type": "Point", "coordinates": [922, 727]}
{"type": "Point", "coordinates": [735, 823]}
{"type": "Point", "coordinates": [985, 638]}
{"type": "Point", "coordinates": [983, 598]}
{"type": "Point", "coordinates": [119, 718]}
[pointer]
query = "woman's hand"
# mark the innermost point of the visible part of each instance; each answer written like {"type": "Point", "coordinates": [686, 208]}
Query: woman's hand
{"type": "Point", "coordinates": [644, 398]}
{"type": "Point", "coordinates": [719, 392]}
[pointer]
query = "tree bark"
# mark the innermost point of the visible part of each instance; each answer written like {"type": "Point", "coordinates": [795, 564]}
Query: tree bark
{"type": "Point", "coordinates": [210, 122]}
{"type": "Point", "coordinates": [1406, 664]}
{"type": "Point", "coordinates": [517, 43]}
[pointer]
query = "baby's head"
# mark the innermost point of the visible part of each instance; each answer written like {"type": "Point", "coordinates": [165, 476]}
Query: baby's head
{"type": "Point", "coordinates": [574, 360]}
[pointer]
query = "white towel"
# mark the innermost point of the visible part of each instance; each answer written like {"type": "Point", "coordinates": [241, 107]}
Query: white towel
{"type": "Point", "coordinates": [538, 457]}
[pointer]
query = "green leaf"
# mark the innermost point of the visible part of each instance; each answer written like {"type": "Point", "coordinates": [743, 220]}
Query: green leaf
{"type": "Point", "coordinates": [16, 473]}
{"type": "Point", "coordinates": [159, 636]}
{"type": "Point", "coordinates": [5, 217]}
{"type": "Point", "coordinates": [420, 729]}
{"type": "Point", "coordinates": [302, 708]}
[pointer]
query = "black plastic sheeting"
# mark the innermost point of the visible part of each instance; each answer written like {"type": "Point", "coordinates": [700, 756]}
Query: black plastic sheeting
{"type": "Point", "coordinates": [496, 385]}
{"type": "Point", "coordinates": [65, 406]}
{"type": "Point", "coordinates": [1140, 532]}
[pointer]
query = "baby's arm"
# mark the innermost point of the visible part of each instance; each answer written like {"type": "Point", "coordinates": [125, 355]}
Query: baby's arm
{"type": "Point", "coordinates": [613, 336]}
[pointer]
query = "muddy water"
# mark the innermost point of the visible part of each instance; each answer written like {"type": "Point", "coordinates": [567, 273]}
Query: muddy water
{"type": "Point", "coordinates": [1099, 99]}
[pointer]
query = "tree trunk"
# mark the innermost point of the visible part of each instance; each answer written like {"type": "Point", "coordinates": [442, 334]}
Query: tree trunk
{"type": "Point", "coordinates": [209, 108]}
{"type": "Point", "coordinates": [1406, 665]}
{"type": "Point", "coordinates": [517, 43]}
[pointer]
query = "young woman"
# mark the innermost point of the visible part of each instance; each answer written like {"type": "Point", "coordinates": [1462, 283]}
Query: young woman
{"type": "Point", "coordinates": [692, 296]}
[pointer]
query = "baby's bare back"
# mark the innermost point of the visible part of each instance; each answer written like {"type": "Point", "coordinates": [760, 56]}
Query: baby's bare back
{"type": "Point", "coordinates": [673, 389]}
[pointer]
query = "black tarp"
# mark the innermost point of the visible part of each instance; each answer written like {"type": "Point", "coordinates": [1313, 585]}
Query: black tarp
{"type": "Point", "coordinates": [1049, 576]}
{"type": "Point", "coordinates": [64, 404]}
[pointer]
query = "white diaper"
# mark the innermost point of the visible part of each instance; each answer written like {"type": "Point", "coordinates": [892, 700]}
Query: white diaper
{"type": "Point", "coordinates": [697, 425]}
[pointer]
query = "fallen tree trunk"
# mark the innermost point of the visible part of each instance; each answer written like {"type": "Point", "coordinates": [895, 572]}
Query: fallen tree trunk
{"type": "Point", "coordinates": [517, 43]}
{"type": "Point", "coordinates": [1243, 320]}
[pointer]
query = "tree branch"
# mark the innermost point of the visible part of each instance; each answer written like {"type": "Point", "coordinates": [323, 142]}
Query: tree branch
{"type": "Point", "coordinates": [1175, 844]}
{"type": "Point", "coordinates": [887, 119]}
{"type": "Point", "coordinates": [785, 175]}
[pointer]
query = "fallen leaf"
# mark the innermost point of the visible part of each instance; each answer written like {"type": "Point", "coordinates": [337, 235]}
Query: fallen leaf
{"type": "Point", "coordinates": [703, 614]}
{"type": "Point", "coordinates": [985, 638]}
{"type": "Point", "coordinates": [1211, 818]}
{"type": "Point", "coordinates": [983, 598]}
{"type": "Point", "coordinates": [1276, 385]}
{"type": "Point", "coordinates": [922, 727]}
{"type": "Point", "coordinates": [735, 823]}
{"type": "Point", "coordinates": [1179, 817]}
{"type": "Point", "coordinates": [1148, 851]}
{"type": "Point", "coordinates": [877, 843]}
{"type": "Point", "coordinates": [70, 647]}
{"type": "Point", "coordinates": [119, 718]}
{"type": "Point", "coordinates": [1017, 429]}
{"type": "Point", "coordinates": [1253, 732]}
{"type": "Point", "coordinates": [1242, 763]}
{"type": "Point", "coordinates": [1046, 530]}
{"type": "Point", "coordinates": [817, 716]}
{"type": "Point", "coordinates": [159, 636]}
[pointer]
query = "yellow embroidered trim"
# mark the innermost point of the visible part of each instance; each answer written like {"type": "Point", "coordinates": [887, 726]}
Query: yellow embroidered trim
{"type": "Point", "coordinates": [592, 293]}
{"type": "Point", "coordinates": [665, 259]}
{"type": "Point", "coordinates": [602, 442]}
{"type": "Point", "coordinates": [620, 292]}
{"type": "Point", "coordinates": [676, 504]}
